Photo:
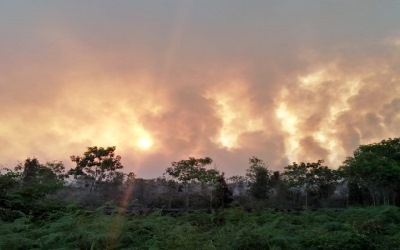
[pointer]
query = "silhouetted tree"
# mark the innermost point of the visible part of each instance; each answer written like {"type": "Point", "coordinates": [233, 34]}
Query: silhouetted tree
{"type": "Point", "coordinates": [186, 171]}
{"type": "Point", "coordinates": [259, 178]}
{"type": "Point", "coordinates": [39, 180]}
{"type": "Point", "coordinates": [26, 187]}
{"type": "Point", "coordinates": [172, 188]}
{"type": "Point", "coordinates": [222, 193]}
{"type": "Point", "coordinates": [96, 165]}
{"type": "Point", "coordinates": [310, 176]}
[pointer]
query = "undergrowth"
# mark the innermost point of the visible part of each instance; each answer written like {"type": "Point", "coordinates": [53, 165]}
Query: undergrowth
{"type": "Point", "coordinates": [73, 228]}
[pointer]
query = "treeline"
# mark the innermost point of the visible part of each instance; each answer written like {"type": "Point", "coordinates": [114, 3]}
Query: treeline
{"type": "Point", "coordinates": [370, 177]}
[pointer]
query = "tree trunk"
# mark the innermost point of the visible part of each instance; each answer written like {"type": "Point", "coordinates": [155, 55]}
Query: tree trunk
{"type": "Point", "coordinates": [91, 187]}
{"type": "Point", "coordinates": [187, 196]}
{"type": "Point", "coordinates": [306, 197]}
{"type": "Point", "coordinates": [373, 197]}
{"type": "Point", "coordinates": [211, 198]}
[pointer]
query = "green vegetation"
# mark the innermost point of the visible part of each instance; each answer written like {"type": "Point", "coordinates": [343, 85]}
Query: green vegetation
{"type": "Point", "coordinates": [72, 228]}
{"type": "Point", "coordinates": [96, 165]}
{"type": "Point", "coordinates": [312, 178]}
{"type": "Point", "coordinates": [259, 177]}
{"type": "Point", "coordinates": [308, 206]}
{"type": "Point", "coordinates": [374, 171]}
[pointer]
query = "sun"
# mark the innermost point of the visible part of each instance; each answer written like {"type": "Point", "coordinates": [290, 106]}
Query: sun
{"type": "Point", "coordinates": [145, 143]}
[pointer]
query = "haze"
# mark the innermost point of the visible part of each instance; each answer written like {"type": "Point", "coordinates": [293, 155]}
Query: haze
{"type": "Point", "coordinates": [164, 80]}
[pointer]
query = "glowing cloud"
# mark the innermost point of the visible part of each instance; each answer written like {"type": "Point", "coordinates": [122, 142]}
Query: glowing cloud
{"type": "Point", "coordinates": [166, 80]}
{"type": "Point", "coordinates": [234, 108]}
{"type": "Point", "coordinates": [288, 121]}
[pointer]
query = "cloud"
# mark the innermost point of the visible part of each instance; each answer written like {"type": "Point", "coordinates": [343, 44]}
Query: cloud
{"type": "Point", "coordinates": [198, 79]}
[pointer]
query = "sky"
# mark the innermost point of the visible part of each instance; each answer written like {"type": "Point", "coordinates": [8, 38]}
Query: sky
{"type": "Point", "coordinates": [285, 81]}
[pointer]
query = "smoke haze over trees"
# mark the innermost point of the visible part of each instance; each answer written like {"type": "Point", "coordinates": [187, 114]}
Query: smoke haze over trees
{"type": "Point", "coordinates": [165, 80]}
{"type": "Point", "coordinates": [42, 207]}
{"type": "Point", "coordinates": [370, 177]}
{"type": "Point", "coordinates": [239, 124]}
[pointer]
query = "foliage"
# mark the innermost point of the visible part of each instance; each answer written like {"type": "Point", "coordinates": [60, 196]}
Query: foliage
{"type": "Point", "coordinates": [97, 164]}
{"type": "Point", "coordinates": [39, 180]}
{"type": "Point", "coordinates": [32, 219]}
{"type": "Point", "coordinates": [259, 178]}
{"type": "Point", "coordinates": [74, 228]}
{"type": "Point", "coordinates": [376, 167]}
{"type": "Point", "coordinates": [310, 176]}
{"type": "Point", "coordinates": [192, 169]}
{"type": "Point", "coordinates": [239, 184]}
{"type": "Point", "coordinates": [24, 189]}
{"type": "Point", "coordinates": [8, 181]}
{"type": "Point", "coordinates": [223, 194]}
{"type": "Point", "coordinates": [188, 170]}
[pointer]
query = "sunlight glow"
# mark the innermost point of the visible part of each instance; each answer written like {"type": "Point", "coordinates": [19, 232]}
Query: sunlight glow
{"type": "Point", "coordinates": [227, 138]}
{"type": "Point", "coordinates": [311, 80]}
{"type": "Point", "coordinates": [145, 143]}
{"type": "Point", "coordinates": [289, 124]}
{"type": "Point", "coordinates": [233, 107]}
{"type": "Point", "coordinates": [320, 137]}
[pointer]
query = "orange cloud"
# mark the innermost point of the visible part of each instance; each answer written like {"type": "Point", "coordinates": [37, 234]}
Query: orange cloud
{"type": "Point", "coordinates": [163, 82]}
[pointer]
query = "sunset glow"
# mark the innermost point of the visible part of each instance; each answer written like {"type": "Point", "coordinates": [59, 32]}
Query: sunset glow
{"type": "Point", "coordinates": [145, 143]}
{"type": "Point", "coordinates": [163, 81]}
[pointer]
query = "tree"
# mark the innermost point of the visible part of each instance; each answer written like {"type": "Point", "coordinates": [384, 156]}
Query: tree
{"type": "Point", "coordinates": [222, 193]}
{"type": "Point", "coordinates": [239, 184]}
{"type": "Point", "coordinates": [9, 181]}
{"type": "Point", "coordinates": [259, 178]}
{"type": "Point", "coordinates": [209, 178]}
{"type": "Point", "coordinates": [38, 179]}
{"type": "Point", "coordinates": [310, 176]}
{"type": "Point", "coordinates": [97, 164]}
{"type": "Point", "coordinates": [186, 171]}
{"type": "Point", "coordinates": [25, 188]}
{"type": "Point", "coordinates": [171, 186]}
{"type": "Point", "coordinates": [295, 177]}
{"type": "Point", "coordinates": [375, 167]}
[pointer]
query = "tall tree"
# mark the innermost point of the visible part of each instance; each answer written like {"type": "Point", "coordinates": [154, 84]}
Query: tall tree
{"type": "Point", "coordinates": [375, 167]}
{"type": "Point", "coordinates": [259, 177]}
{"type": "Point", "coordinates": [38, 179]}
{"type": "Point", "coordinates": [310, 176]}
{"type": "Point", "coordinates": [222, 193]}
{"type": "Point", "coordinates": [210, 179]}
{"type": "Point", "coordinates": [171, 186]}
{"type": "Point", "coordinates": [96, 165]}
{"type": "Point", "coordinates": [26, 187]}
{"type": "Point", "coordinates": [186, 171]}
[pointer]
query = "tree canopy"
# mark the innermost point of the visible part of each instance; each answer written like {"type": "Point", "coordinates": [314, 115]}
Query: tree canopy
{"type": "Point", "coordinates": [192, 169]}
{"type": "Point", "coordinates": [310, 176]}
{"type": "Point", "coordinates": [259, 178]}
{"type": "Point", "coordinates": [96, 164]}
{"type": "Point", "coordinates": [375, 167]}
